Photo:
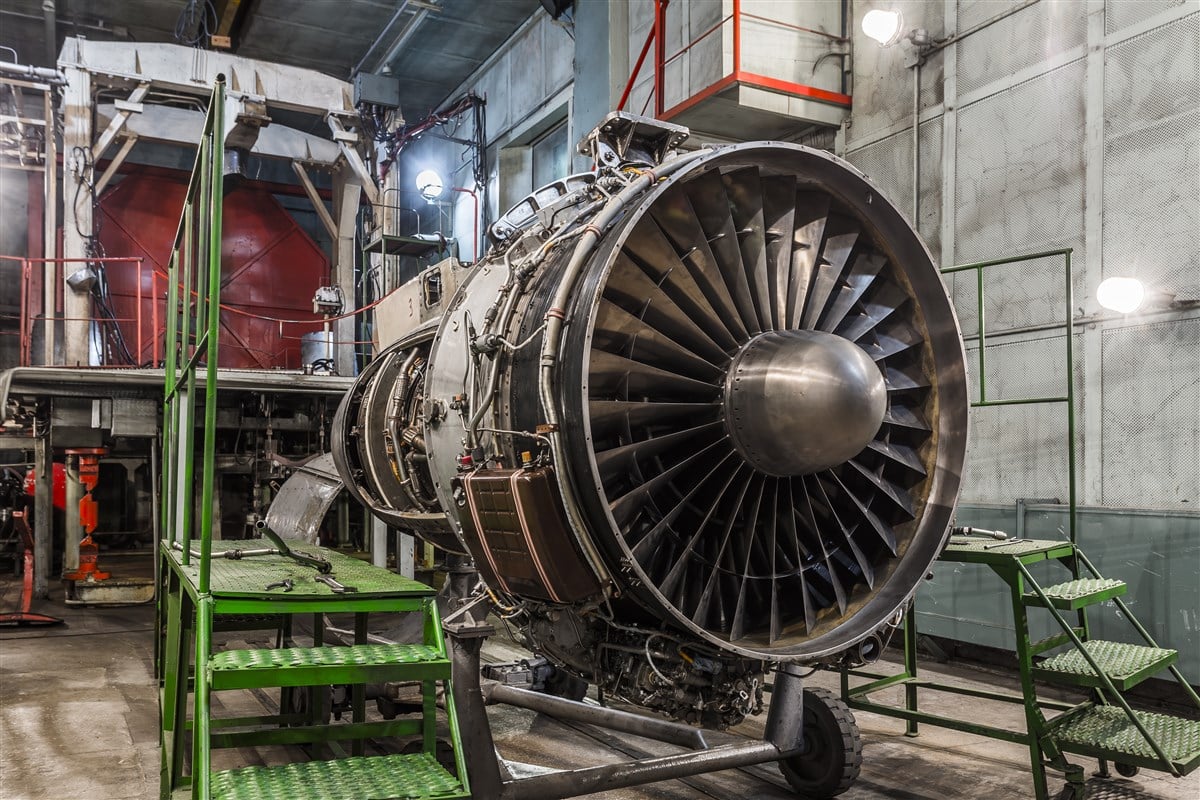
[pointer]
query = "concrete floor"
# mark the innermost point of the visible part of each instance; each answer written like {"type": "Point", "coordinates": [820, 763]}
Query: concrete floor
{"type": "Point", "coordinates": [78, 720]}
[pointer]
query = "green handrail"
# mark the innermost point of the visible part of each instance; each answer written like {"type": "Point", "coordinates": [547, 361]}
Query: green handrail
{"type": "Point", "coordinates": [1069, 323]}
{"type": "Point", "coordinates": [193, 320]}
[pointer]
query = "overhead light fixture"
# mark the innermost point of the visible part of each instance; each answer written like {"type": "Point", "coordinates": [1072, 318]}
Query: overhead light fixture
{"type": "Point", "coordinates": [1123, 295]}
{"type": "Point", "coordinates": [883, 26]}
{"type": "Point", "coordinates": [429, 184]}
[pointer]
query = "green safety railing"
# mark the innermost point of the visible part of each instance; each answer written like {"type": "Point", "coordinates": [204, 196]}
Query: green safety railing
{"type": "Point", "coordinates": [1068, 398]}
{"type": "Point", "coordinates": [193, 319]}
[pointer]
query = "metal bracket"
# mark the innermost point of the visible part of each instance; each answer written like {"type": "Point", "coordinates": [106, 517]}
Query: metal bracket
{"type": "Point", "coordinates": [623, 138]}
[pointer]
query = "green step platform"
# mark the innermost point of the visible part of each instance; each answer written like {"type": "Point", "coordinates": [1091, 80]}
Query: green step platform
{"type": "Point", "coordinates": [1107, 732]}
{"type": "Point", "coordinates": [311, 666]}
{"type": "Point", "coordinates": [1077, 594]}
{"type": "Point", "coordinates": [1126, 665]}
{"type": "Point", "coordinates": [397, 777]}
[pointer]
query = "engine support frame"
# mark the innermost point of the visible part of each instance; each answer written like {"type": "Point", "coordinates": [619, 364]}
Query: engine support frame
{"type": "Point", "coordinates": [490, 778]}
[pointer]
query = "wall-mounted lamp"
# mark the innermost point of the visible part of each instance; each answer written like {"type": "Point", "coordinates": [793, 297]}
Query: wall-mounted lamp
{"type": "Point", "coordinates": [1123, 295]}
{"type": "Point", "coordinates": [883, 26]}
{"type": "Point", "coordinates": [429, 184]}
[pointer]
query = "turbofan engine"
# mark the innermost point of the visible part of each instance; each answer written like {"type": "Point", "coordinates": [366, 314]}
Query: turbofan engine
{"type": "Point", "coordinates": [694, 414]}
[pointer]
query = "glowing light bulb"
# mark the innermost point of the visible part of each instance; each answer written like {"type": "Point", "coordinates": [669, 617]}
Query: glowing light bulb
{"type": "Point", "coordinates": [429, 184]}
{"type": "Point", "coordinates": [882, 26]}
{"type": "Point", "coordinates": [1122, 295]}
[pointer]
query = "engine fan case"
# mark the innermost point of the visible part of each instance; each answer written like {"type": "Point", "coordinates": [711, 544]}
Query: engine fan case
{"type": "Point", "coordinates": [750, 239]}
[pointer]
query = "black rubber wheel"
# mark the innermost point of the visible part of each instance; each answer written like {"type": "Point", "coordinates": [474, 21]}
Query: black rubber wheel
{"type": "Point", "coordinates": [832, 757]}
{"type": "Point", "coordinates": [1126, 770]}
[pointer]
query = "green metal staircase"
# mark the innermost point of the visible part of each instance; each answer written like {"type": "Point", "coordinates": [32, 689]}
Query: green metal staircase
{"type": "Point", "coordinates": [1104, 725]}
{"type": "Point", "coordinates": [268, 583]}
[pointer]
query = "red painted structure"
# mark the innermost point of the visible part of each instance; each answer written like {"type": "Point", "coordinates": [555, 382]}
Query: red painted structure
{"type": "Point", "coordinates": [270, 269]}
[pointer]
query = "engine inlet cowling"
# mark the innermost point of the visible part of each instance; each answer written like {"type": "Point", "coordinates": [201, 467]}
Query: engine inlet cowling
{"type": "Point", "coordinates": [759, 404]}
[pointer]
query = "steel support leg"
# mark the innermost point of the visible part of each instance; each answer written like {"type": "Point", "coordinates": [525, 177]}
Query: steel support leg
{"type": "Point", "coordinates": [910, 666]}
{"type": "Point", "coordinates": [483, 766]}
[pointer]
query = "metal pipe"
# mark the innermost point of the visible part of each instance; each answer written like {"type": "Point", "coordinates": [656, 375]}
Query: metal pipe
{"type": "Point", "coordinates": [40, 74]}
{"type": "Point", "coordinates": [916, 145]}
{"type": "Point", "coordinates": [647, 727]}
{"type": "Point", "coordinates": [50, 16]}
{"type": "Point", "coordinates": [573, 783]}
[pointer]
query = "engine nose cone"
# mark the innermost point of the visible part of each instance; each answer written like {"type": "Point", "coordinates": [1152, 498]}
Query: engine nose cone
{"type": "Point", "coordinates": [798, 402]}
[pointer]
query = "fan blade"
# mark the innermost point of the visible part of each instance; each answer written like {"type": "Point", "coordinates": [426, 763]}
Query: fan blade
{"type": "Point", "coordinates": [625, 506]}
{"type": "Point", "coordinates": [706, 596]}
{"type": "Point", "coordinates": [654, 253]}
{"type": "Point", "coordinates": [841, 234]}
{"type": "Point", "coordinates": [898, 453]}
{"type": "Point", "coordinates": [608, 413]}
{"type": "Point", "coordinates": [779, 212]}
{"type": "Point", "coordinates": [738, 628]}
{"type": "Point", "coordinates": [890, 490]}
{"type": "Point", "coordinates": [881, 305]}
{"type": "Point", "coordinates": [644, 546]}
{"type": "Point", "coordinates": [788, 518]}
{"type": "Point", "coordinates": [864, 565]}
{"type": "Point", "coordinates": [610, 374]}
{"type": "Point", "coordinates": [885, 533]}
{"type": "Point", "coordinates": [618, 459]}
{"type": "Point", "coordinates": [745, 204]}
{"type": "Point", "coordinates": [633, 290]}
{"type": "Point", "coordinates": [905, 418]}
{"type": "Point", "coordinates": [824, 567]}
{"type": "Point", "coordinates": [669, 582]}
{"type": "Point", "coordinates": [812, 211]}
{"type": "Point", "coordinates": [711, 204]}
{"type": "Point", "coordinates": [677, 219]}
{"type": "Point", "coordinates": [617, 331]}
{"type": "Point", "coordinates": [862, 275]}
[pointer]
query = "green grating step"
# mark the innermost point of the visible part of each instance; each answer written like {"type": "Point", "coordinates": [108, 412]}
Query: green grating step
{"type": "Point", "coordinates": [1074, 595]}
{"type": "Point", "coordinates": [1107, 732]}
{"type": "Point", "coordinates": [407, 777]}
{"type": "Point", "coordinates": [1126, 665]}
{"type": "Point", "coordinates": [312, 666]}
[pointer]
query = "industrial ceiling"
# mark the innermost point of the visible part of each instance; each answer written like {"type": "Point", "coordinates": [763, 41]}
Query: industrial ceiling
{"type": "Point", "coordinates": [431, 46]}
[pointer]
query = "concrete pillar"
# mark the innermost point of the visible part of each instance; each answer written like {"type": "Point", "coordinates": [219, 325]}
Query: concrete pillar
{"type": "Point", "coordinates": [346, 194]}
{"type": "Point", "coordinates": [592, 92]}
{"type": "Point", "coordinates": [77, 208]}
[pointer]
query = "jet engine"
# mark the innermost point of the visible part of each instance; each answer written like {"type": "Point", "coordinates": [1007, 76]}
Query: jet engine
{"type": "Point", "coordinates": [697, 413]}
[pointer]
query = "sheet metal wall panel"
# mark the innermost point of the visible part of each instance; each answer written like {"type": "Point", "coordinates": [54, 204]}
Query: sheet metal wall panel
{"type": "Point", "coordinates": [1152, 157]}
{"type": "Point", "coordinates": [1150, 407]}
{"type": "Point", "coordinates": [888, 163]}
{"type": "Point", "coordinates": [1120, 14]}
{"type": "Point", "coordinates": [1019, 183]}
{"type": "Point", "coordinates": [1032, 35]}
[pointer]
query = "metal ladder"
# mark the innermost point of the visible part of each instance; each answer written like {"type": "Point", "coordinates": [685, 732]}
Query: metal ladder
{"type": "Point", "coordinates": [252, 583]}
{"type": "Point", "coordinates": [1103, 726]}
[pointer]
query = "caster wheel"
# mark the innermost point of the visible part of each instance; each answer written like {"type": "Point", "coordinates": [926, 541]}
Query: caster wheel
{"type": "Point", "coordinates": [1126, 770]}
{"type": "Point", "coordinates": [832, 754]}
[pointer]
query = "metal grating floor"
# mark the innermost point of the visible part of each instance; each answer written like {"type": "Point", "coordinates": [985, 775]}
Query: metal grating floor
{"type": "Point", "coordinates": [357, 655]}
{"type": "Point", "coordinates": [1121, 662]}
{"type": "Point", "coordinates": [1107, 729]}
{"type": "Point", "coordinates": [395, 777]}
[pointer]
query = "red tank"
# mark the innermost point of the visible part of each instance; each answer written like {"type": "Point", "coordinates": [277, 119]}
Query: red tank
{"type": "Point", "coordinates": [58, 485]}
{"type": "Point", "coordinates": [270, 269]}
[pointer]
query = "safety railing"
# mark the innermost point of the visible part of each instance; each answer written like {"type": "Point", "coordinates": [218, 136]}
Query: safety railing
{"type": "Point", "coordinates": [737, 75]}
{"type": "Point", "coordinates": [36, 272]}
{"type": "Point", "coordinates": [1068, 397]}
{"type": "Point", "coordinates": [193, 320]}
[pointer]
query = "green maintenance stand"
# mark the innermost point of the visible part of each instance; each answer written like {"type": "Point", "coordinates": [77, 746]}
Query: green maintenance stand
{"type": "Point", "coordinates": [1103, 726]}
{"type": "Point", "coordinates": [263, 584]}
